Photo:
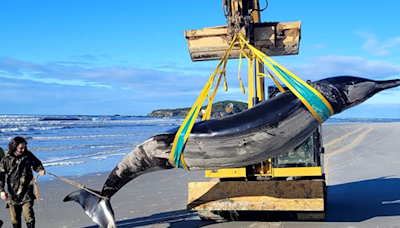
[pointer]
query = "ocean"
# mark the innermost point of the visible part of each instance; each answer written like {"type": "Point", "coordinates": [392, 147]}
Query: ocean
{"type": "Point", "coordinates": [80, 145]}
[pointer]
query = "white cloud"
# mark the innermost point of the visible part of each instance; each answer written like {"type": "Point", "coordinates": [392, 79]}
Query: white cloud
{"type": "Point", "coordinates": [376, 47]}
{"type": "Point", "coordinates": [105, 76]}
{"type": "Point", "coordinates": [336, 65]}
{"type": "Point", "coordinates": [57, 88]}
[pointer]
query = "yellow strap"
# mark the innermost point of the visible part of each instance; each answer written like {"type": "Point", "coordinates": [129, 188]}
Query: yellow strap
{"type": "Point", "coordinates": [239, 70]}
{"type": "Point", "coordinates": [281, 89]}
{"type": "Point", "coordinates": [188, 123]}
{"type": "Point", "coordinates": [263, 57]}
{"type": "Point", "coordinates": [207, 114]}
{"type": "Point", "coordinates": [251, 55]}
{"type": "Point", "coordinates": [305, 84]}
{"type": "Point", "coordinates": [224, 74]}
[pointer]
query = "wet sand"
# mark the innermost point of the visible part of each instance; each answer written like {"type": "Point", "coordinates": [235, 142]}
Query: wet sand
{"type": "Point", "coordinates": [363, 174]}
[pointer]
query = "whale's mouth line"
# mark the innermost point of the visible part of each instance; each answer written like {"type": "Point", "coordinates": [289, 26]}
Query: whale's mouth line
{"type": "Point", "coordinates": [388, 84]}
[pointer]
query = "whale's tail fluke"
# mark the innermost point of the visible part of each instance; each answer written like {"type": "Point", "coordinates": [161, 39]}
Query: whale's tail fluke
{"type": "Point", "coordinates": [99, 210]}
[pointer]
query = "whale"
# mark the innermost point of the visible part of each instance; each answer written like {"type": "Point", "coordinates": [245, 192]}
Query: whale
{"type": "Point", "coordinates": [270, 128]}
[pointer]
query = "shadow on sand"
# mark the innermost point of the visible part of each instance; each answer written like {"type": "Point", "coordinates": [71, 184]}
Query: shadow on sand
{"type": "Point", "coordinates": [349, 202]}
{"type": "Point", "coordinates": [174, 218]}
{"type": "Point", "coordinates": [362, 200]}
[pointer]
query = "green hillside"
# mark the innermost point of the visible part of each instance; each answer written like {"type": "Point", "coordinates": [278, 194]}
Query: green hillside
{"type": "Point", "coordinates": [218, 110]}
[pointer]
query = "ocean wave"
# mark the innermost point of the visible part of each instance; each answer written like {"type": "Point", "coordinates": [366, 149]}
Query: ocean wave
{"type": "Point", "coordinates": [15, 129]}
{"type": "Point", "coordinates": [72, 147]}
{"type": "Point", "coordinates": [72, 118]}
{"type": "Point", "coordinates": [58, 118]}
{"type": "Point", "coordinates": [41, 138]}
{"type": "Point", "coordinates": [67, 163]}
{"type": "Point", "coordinates": [101, 158]}
{"type": "Point", "coordinates": [104, 153]}
{"type": "Point", "coordinates": [75, 143]}
{"type": "Point", "coordinates": [7, 126]}
{"type": "Point", "coordinates": [88, 136]}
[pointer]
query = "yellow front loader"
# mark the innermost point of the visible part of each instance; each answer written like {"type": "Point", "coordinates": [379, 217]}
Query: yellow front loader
{"type": "Point", "coordinates": [293, 182]}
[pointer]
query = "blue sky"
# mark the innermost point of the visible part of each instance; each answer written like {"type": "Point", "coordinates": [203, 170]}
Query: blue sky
{"type": "Point", "coordinates": [121, 57]}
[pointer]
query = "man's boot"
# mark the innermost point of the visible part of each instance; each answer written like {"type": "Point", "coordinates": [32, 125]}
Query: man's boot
{"type": "Point", "coordinates": [16, 225]}
{"type": "Point", "coordinates": [31, 224]}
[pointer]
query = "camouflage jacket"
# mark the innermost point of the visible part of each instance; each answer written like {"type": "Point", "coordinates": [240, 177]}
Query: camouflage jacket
{"type": "Point", "coordinates": [18, 171]}
{"type": "Point", "coordinates": [1, 153]}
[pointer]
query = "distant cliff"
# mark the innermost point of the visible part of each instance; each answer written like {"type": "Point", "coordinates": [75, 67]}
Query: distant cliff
{"type": "Point", "coordinates": [218, 110]}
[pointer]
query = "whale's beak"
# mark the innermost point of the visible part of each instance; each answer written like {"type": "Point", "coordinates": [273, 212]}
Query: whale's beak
{"type": "Point", "coordinates": [382, 85]}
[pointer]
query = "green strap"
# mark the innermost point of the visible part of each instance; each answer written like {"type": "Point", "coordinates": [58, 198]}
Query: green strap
{"type": "Point", "coordinates": [316, 103]}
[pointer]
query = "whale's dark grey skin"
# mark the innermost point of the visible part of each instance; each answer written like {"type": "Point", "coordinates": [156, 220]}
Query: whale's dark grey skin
{"type": "Point", "coordinates": [99, 211]}
{"type": "Point", "coordinates": [265, 131]}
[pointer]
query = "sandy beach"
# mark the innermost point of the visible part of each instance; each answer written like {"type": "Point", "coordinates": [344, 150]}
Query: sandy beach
{"type": "Point", "coordinates": [362, 167]}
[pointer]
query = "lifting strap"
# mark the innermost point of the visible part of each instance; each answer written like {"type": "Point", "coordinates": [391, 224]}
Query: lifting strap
{"type": "Point", "coordinates": [183, 133]}
{"type": "Point", "coordinates": [311, 98]}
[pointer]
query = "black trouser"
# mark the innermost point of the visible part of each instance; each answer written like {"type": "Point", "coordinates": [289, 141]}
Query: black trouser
{"type": "Point", "coordinates": [16, 211]}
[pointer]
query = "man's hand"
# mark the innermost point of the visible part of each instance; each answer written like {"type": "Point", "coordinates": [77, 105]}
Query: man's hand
{"type": "Point", "coordinates": [4, 195]}
{"type": "Point", "coordinates": [42, 172]}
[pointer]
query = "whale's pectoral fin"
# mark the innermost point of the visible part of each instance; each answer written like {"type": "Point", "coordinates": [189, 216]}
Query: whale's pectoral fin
{"type": "Point", "coordinates": [99, 210]}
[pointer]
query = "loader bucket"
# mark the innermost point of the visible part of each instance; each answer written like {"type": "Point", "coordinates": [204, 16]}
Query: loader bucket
{"type": "Point", "coordinates": [272, 38]}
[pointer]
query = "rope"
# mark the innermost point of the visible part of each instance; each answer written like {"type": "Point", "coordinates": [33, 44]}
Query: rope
{"type": "Point", "coordinates": [80, 186]}
{"type": "Point", "coordinates": [76, 184]}
{"type": "Point", "coordinates": [36, 188]}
